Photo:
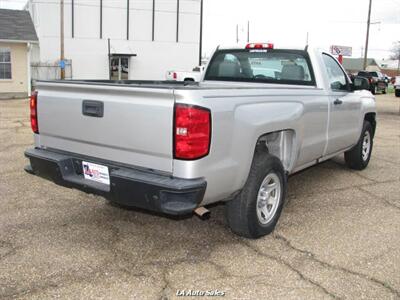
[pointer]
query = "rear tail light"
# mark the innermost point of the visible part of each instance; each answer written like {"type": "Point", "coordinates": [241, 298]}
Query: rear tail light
{"type": "Point", "coordinates": [34, 117]}
{"type": "Point", "coordinates": [192, 132]}
{"type": "Point", "coordinates": [260, 46]}
{"type": "Point", "coordinates": [174, 75]}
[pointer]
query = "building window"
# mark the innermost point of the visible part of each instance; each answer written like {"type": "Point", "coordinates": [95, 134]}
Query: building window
{"type": "Point", "coordinates": [5, 63]}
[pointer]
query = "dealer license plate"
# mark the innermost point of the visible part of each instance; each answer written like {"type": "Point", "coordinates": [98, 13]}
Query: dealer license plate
{"type": "Point", "coordinates": [95, 172]}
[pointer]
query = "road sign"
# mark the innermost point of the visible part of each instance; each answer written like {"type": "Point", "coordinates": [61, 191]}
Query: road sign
{"type": "Point", "coordinates": [61, 63]}
{"type": "Point", "coordinates": [341, 50]}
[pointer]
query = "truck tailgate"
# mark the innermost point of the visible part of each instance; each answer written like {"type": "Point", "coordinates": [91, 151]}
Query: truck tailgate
{"type": "Point", "coordinates": [135, 129]}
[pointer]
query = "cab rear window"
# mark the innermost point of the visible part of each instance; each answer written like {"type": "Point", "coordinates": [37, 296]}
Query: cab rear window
{"type": "Point", "coordinates": [362, 73]}
{"type": "Point", "coordinates": [261, 65]}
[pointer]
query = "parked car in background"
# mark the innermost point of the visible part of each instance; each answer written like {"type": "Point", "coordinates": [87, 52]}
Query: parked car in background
{"type": "Point", "coordinates": [236, 136]}
{"type": "Point", "coordinates": [387, 79]}
{"type": "Point", "coordinates": [376, 80]}
{"type": "Point", "coordinates": [194, 75]}
{"type": "Point", "coordinates": [397, 86]}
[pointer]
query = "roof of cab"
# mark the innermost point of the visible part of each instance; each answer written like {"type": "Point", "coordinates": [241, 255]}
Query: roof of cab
{"type": "Point", "coordinates": [243, 46]}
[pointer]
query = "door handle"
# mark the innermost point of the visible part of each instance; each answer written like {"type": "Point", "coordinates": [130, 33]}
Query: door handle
{"type": "Point", "coordinates": [93, 108]}
{"type": "Point", "coordinates": [338, 102]}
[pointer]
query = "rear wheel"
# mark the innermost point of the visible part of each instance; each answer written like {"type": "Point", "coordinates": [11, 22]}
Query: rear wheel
{"type": "Point", "coordinates": [374, 90]}
{"type": "Point", "coordinates": [256, 210]}
{"type": "Point", "coordinates": [385, 90]}
{"type": "Point", "coordinates": [397, 93]}
{"type": "Point", "coordinates": [358, 157]}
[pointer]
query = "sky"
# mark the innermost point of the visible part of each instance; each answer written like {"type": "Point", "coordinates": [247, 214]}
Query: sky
{"type": "Point", "coordinates": [287, 22]}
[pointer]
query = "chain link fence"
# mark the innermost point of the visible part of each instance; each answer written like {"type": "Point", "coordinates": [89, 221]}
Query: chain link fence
{"type": "Point", "coordinates": [49, 71]}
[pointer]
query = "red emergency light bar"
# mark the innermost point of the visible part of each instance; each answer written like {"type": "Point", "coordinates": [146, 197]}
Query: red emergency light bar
{"type": "Point", "coordinates": [260, 46]}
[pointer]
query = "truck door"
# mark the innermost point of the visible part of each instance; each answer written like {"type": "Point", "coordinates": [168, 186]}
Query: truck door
{"type": "Point", "coordinates": [344, 108]}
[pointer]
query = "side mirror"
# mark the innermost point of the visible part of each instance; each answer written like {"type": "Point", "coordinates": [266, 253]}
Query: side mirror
{"type": "Point", "coordinates": [360, 83]}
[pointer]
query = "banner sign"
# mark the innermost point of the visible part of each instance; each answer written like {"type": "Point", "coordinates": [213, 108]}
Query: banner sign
{"type": "Point", "coordinates": [341, 50]}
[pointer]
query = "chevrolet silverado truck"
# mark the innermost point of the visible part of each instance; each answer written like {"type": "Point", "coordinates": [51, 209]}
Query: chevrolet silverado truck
{"type": "Point", "coordinates": [258, 115]}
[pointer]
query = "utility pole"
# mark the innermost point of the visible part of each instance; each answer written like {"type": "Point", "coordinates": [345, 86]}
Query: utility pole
{"type": "Point", "coordinates": [62, 63]}
{"type": "Point", "coordinates": [201, 32]}
{"type": "Point", "coordinates": [367, 37]}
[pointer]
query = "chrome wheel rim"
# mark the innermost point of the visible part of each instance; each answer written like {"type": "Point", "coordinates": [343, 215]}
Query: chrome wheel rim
{"type": "Point", "coordinates": [366, 146]}
{"type": "Point", "coordinates": [268, 198]}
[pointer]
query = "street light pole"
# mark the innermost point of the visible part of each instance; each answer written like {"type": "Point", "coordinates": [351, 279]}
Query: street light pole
{"type": "Point", "coordinates": [367, 38]}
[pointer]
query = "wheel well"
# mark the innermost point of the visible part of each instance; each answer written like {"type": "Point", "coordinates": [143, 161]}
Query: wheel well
{"type": "Point", "coordinates": [188, 79]}
{"type": "Point", "coordinates": [279, 144]}
{"type": "Point", "coordinates": [371, 118]}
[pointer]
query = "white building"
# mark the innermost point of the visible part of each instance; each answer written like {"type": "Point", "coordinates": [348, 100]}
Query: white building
{"type": "Point", "coordinates": [147, 37]}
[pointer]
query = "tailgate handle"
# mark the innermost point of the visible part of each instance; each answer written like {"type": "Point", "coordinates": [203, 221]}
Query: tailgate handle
{"type": "Point", "coordinates": [93, 108]}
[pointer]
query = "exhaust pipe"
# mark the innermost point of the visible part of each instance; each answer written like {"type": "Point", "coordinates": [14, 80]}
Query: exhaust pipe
{"type": "Point", "coordinates": [202, 212]}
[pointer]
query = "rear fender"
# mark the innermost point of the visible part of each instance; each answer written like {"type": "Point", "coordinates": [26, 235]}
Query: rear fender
{"type": "Point", "coordinates": [255, 121]}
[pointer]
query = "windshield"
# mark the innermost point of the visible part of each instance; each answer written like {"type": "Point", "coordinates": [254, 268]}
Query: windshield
{"type": "Point", "coordinates": [261, 65]}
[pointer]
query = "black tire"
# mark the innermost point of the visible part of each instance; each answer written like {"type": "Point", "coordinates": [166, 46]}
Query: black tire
{"type": "Point", "coordinates": [354, 158]}
{"type": "Point", "coordinates": [397, 93]}
{"type": "Point", "coordinates": [384, 91]}
{"type": "Point", "coordinates": [374, 89]}
{"type": "Point", "coordinates": [241, 212]}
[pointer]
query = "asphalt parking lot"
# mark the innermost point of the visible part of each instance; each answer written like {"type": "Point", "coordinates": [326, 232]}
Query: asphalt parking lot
{"type": "Point", "coordinates": [338, 237]}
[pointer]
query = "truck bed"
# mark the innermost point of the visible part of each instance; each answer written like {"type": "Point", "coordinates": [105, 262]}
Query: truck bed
{"type": "Point", "coordinates": [179, 85]}
{"type": "Point", "coordinates": [132, 83]}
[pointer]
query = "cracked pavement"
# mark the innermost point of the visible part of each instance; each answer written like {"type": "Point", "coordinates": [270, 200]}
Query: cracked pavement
{"type": "Point", "coordinates": [338, 236]}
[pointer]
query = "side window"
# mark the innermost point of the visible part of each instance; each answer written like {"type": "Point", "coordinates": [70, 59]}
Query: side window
{"type": "Point", "coordinates": [337, 78]}
{"type": "Point", "coordinates": [5, 63]}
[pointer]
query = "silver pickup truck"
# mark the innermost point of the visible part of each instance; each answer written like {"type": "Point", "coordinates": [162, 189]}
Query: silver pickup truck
{"type": "Point", "coordinates": [258, 115]}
